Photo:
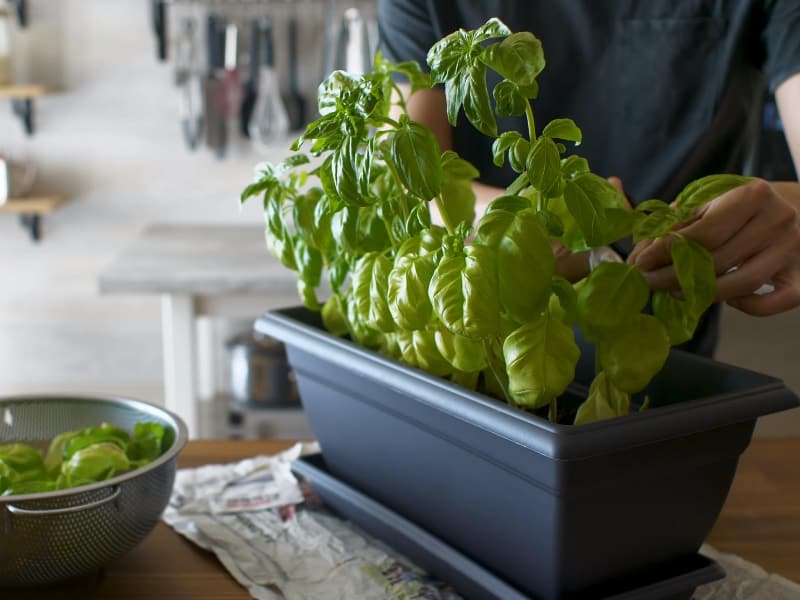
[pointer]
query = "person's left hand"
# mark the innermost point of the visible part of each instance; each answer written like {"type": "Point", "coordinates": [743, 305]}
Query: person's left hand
{"type": "Point", "coordinates": [750, 228]}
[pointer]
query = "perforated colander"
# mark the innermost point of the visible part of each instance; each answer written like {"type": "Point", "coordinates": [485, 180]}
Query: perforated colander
{"type": "Point", "coordinates": [56, 535]}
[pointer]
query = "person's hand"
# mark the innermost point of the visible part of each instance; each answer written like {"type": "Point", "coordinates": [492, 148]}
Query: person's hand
{"type": "Point", "coordinates": [753, 235]}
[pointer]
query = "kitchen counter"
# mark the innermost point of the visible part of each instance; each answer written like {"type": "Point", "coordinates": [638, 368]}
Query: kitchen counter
{"type": "Point", "coordinates": [199, 271]}
{"type": "Point", "coordinates": [760, 522]}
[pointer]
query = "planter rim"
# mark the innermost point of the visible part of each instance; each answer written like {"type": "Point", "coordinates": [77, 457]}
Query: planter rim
{"type": "Point", "coordinates": [560, 442]}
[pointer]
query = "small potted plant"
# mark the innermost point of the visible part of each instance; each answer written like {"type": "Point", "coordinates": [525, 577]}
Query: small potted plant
{"type": "Point", "coordinates": [460, 396]}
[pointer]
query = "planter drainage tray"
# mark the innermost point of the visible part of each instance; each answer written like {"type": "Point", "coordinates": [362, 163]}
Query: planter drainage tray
{"type": "Point", "coordinates": [468, 578]}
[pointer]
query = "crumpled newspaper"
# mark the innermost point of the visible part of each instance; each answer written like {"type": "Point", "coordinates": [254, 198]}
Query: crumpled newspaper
{"type": "Point", "coordinates": [252, 515]}
{"type": "Point", "coordinates": [280, 544]}
{"type": "Point", "coordinates": [745, 581]}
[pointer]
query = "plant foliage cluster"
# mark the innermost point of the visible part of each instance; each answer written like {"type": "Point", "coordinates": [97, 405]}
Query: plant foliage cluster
{"type": "Point", "coordinates": [479, 303]}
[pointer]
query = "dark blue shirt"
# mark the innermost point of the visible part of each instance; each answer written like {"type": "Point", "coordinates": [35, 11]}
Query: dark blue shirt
{"type": "Point", "coordinates": [665, 91]}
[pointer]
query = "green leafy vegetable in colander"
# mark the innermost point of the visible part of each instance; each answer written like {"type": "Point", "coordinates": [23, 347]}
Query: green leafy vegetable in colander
{"type": "Point", "coordinates": [81, 457]}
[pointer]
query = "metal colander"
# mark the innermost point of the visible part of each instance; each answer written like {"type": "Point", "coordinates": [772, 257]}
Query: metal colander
{"type": "Point", "coordinates": [56, 535]}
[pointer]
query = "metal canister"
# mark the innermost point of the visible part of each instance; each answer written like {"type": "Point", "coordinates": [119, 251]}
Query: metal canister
{"type": "Point", "coordinates": [260, 373]}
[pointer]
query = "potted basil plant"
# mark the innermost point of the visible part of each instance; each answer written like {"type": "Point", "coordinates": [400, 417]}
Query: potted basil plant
{"type": "Point", "coordinates": [459, 395]}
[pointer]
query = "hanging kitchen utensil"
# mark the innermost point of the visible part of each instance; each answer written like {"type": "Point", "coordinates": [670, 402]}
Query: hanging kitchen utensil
{"type": "Point", "coordinates": [251, 86]}
{"type": "Point", "coordinates": [216, 134]}
{"type": "Point", "coordinates": [158, 10]}
{"type": "Point", "coordinates": [353, 52]}
{"type": "Point", "coordinates": [270, 120]}
{"type": "Point", "coordinates": [190, 83]}
{"type": "Point", "coordinates": [295, 102]}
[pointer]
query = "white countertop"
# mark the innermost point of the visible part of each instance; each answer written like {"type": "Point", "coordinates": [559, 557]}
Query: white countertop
{"type": "Point", "coordinates": [198, 260]}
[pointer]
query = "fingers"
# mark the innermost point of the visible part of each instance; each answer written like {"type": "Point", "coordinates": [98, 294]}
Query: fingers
{"type": "Point", "coordinates": [721, 221]}
{"type": "Point", "coordinates": [785, 297]}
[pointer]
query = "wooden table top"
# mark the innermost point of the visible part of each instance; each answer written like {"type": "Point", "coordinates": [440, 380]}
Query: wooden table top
{"type": "Point", "coordinates": [760, 522]}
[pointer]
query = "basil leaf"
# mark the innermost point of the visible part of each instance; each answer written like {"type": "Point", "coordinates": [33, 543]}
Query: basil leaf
{"type": "Point", "coordinates": [636, 352]}
{"type": "Point", "coordinates": [418, 349]}
{"type": "Point", "coordinates": [519, 58]}
{"type": "Point", "coordinates": [457, 193]}
{"type": "Point", "coordinates": [588, 199]}
{"type": "Point", "coordinates": [655, 225]}
{"type": "Point", "coordinates": [501, 145]}
{"type": "Point", "coordinates": [563, 129]}
{"type": "Point", "coordinates": [344, 228]}
{"type": "Point", "coordinates": [603, 402]}
{"type": "Point", "coordinates": [416, 76]}
{"type": "Point", "coordinates": [414, 151]}
{"type": "Point", "coordinates": [574, 165]}
{"type": "Point", "coordinates": [541, 357]}
{"type": "Point", "coordinates": [462, 353]}
{"type": "Point", "coordinates": [370, 280]}
{"type": "Point", "coordinates": [333, 316]}
{"type": "Point", "coordinates": [512, 204]}
{"type": "Point", "coordinates": [694, 268]}
{"type": "Point", "coordinates": [346, 170]}
{"type": "Point", "coordinates": [463, 292]}
{"type": "Point", "coordinates": [525, 260]}
{"type": "Point", "coordinates": [477, 107]}
{"type": "Point", "coordinates": [408, 286]}
{"type": "Point", "coordinates": [544, 167]}
{"type": "Point", "coordinates": [567, 298]}
{"type": "Point", "coordinates": [608, 296]}
{"type": "Point", "coordinates": [508, 99]}
{"type": "Point", "coordinates": [704, 190]}
{"type": "Point", "coordinates": [551, 222]}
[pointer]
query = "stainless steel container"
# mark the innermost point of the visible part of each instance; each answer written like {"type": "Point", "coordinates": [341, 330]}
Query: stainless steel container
{"type": "Point", "coordinates": [57, 535]}
{"type": "Point", "coordinates": [260, 373]}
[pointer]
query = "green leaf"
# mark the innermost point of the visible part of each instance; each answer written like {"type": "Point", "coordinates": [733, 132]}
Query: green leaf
{"type": "Point", "coordinates": [408, 286]}
{"type": "Point", "coordinates": [650, 206]}
{"type": "Point", "coordinates": [525, 260]}
{"type": "Point", "coordinates": [462, 353]}
{"type": "Point", "coordinates": [704, 190]}
{"type": "Point", "coordinates": [655, 225]}
{"type": "Point", "coordinates": [477, 107]}
{"type": "Point", "coordinates": [344, 228]}
{"type": "Point", "coordinates": [463, 292]}
{"type": "Point", "coordinates": [502, 144]}
{"type": "Point", "coordinates": [457, 193]}
{"type": "Point", "coordinates": [370, 287]}
{"type": "Point", "coordinates": [508, 99]}
{"type": "Point", "coordinates": [333, 316]}
{"type": "Point", "coordinates": [544, 167]}
{"type": "Point", "coordinates": [416, 76]}
{"type": "Point", "coordinates": [551, 222]}
{"type": "Point", "coordinates": [541, 357]}
{"type": "Point", "coordinates": [346, 170]}
{"type": "Point", "coordinates": [604, 402]}
{"type": "Point", "coordinates": [694, 268]}
{"type": "Point", "coordinates": [563, 129]}
{"type": "Point", "coordinates": [414, 151]}
{"type": "Point", "coordinates": [95, 463]}
{"type": "Point", "coordinates": [450, 57]}
{"type": "Point", "coordinates": [610, 295]}
{"type": "Point", "coordinates": [574, 165]}
{"type": "Point", "coordinates": [493, 28]}
{"type": "Point", "coordinates": [519, 58]}
{"type": "Point", "coordinates": [512, 204]}
{"type": "Point", "coordinates": [636, 352]}
{"type": "Point", "coordinates": [567, 298]}
{"type": "Point", "coordinates": [418, 349]}
{"type": "Point", "coordinates": [596, 206]}
{"type": "Point", "coordinates": [308, 261]}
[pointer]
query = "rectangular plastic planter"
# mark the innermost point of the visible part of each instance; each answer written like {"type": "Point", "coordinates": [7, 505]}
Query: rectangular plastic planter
{"type": "Point", "coordinates": [554, 510]}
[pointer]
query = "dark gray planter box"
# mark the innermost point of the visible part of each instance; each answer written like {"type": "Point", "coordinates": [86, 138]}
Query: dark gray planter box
{"type": "Point", "coordinates": [555, 510]}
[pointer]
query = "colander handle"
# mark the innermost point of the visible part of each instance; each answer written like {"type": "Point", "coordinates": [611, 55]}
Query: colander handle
{"type": "Point", "coordinates": [27, 512]}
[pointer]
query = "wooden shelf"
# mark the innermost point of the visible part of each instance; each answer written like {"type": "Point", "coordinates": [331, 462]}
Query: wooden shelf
{"type": "Point", "coordinates": [22, 96]}
{"type": "Point", "coordinates": [31, 210]}
{"type": "Point", "coordinates": [33, 205]}
{"type": "Point", "coordinates": [22, 91]}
